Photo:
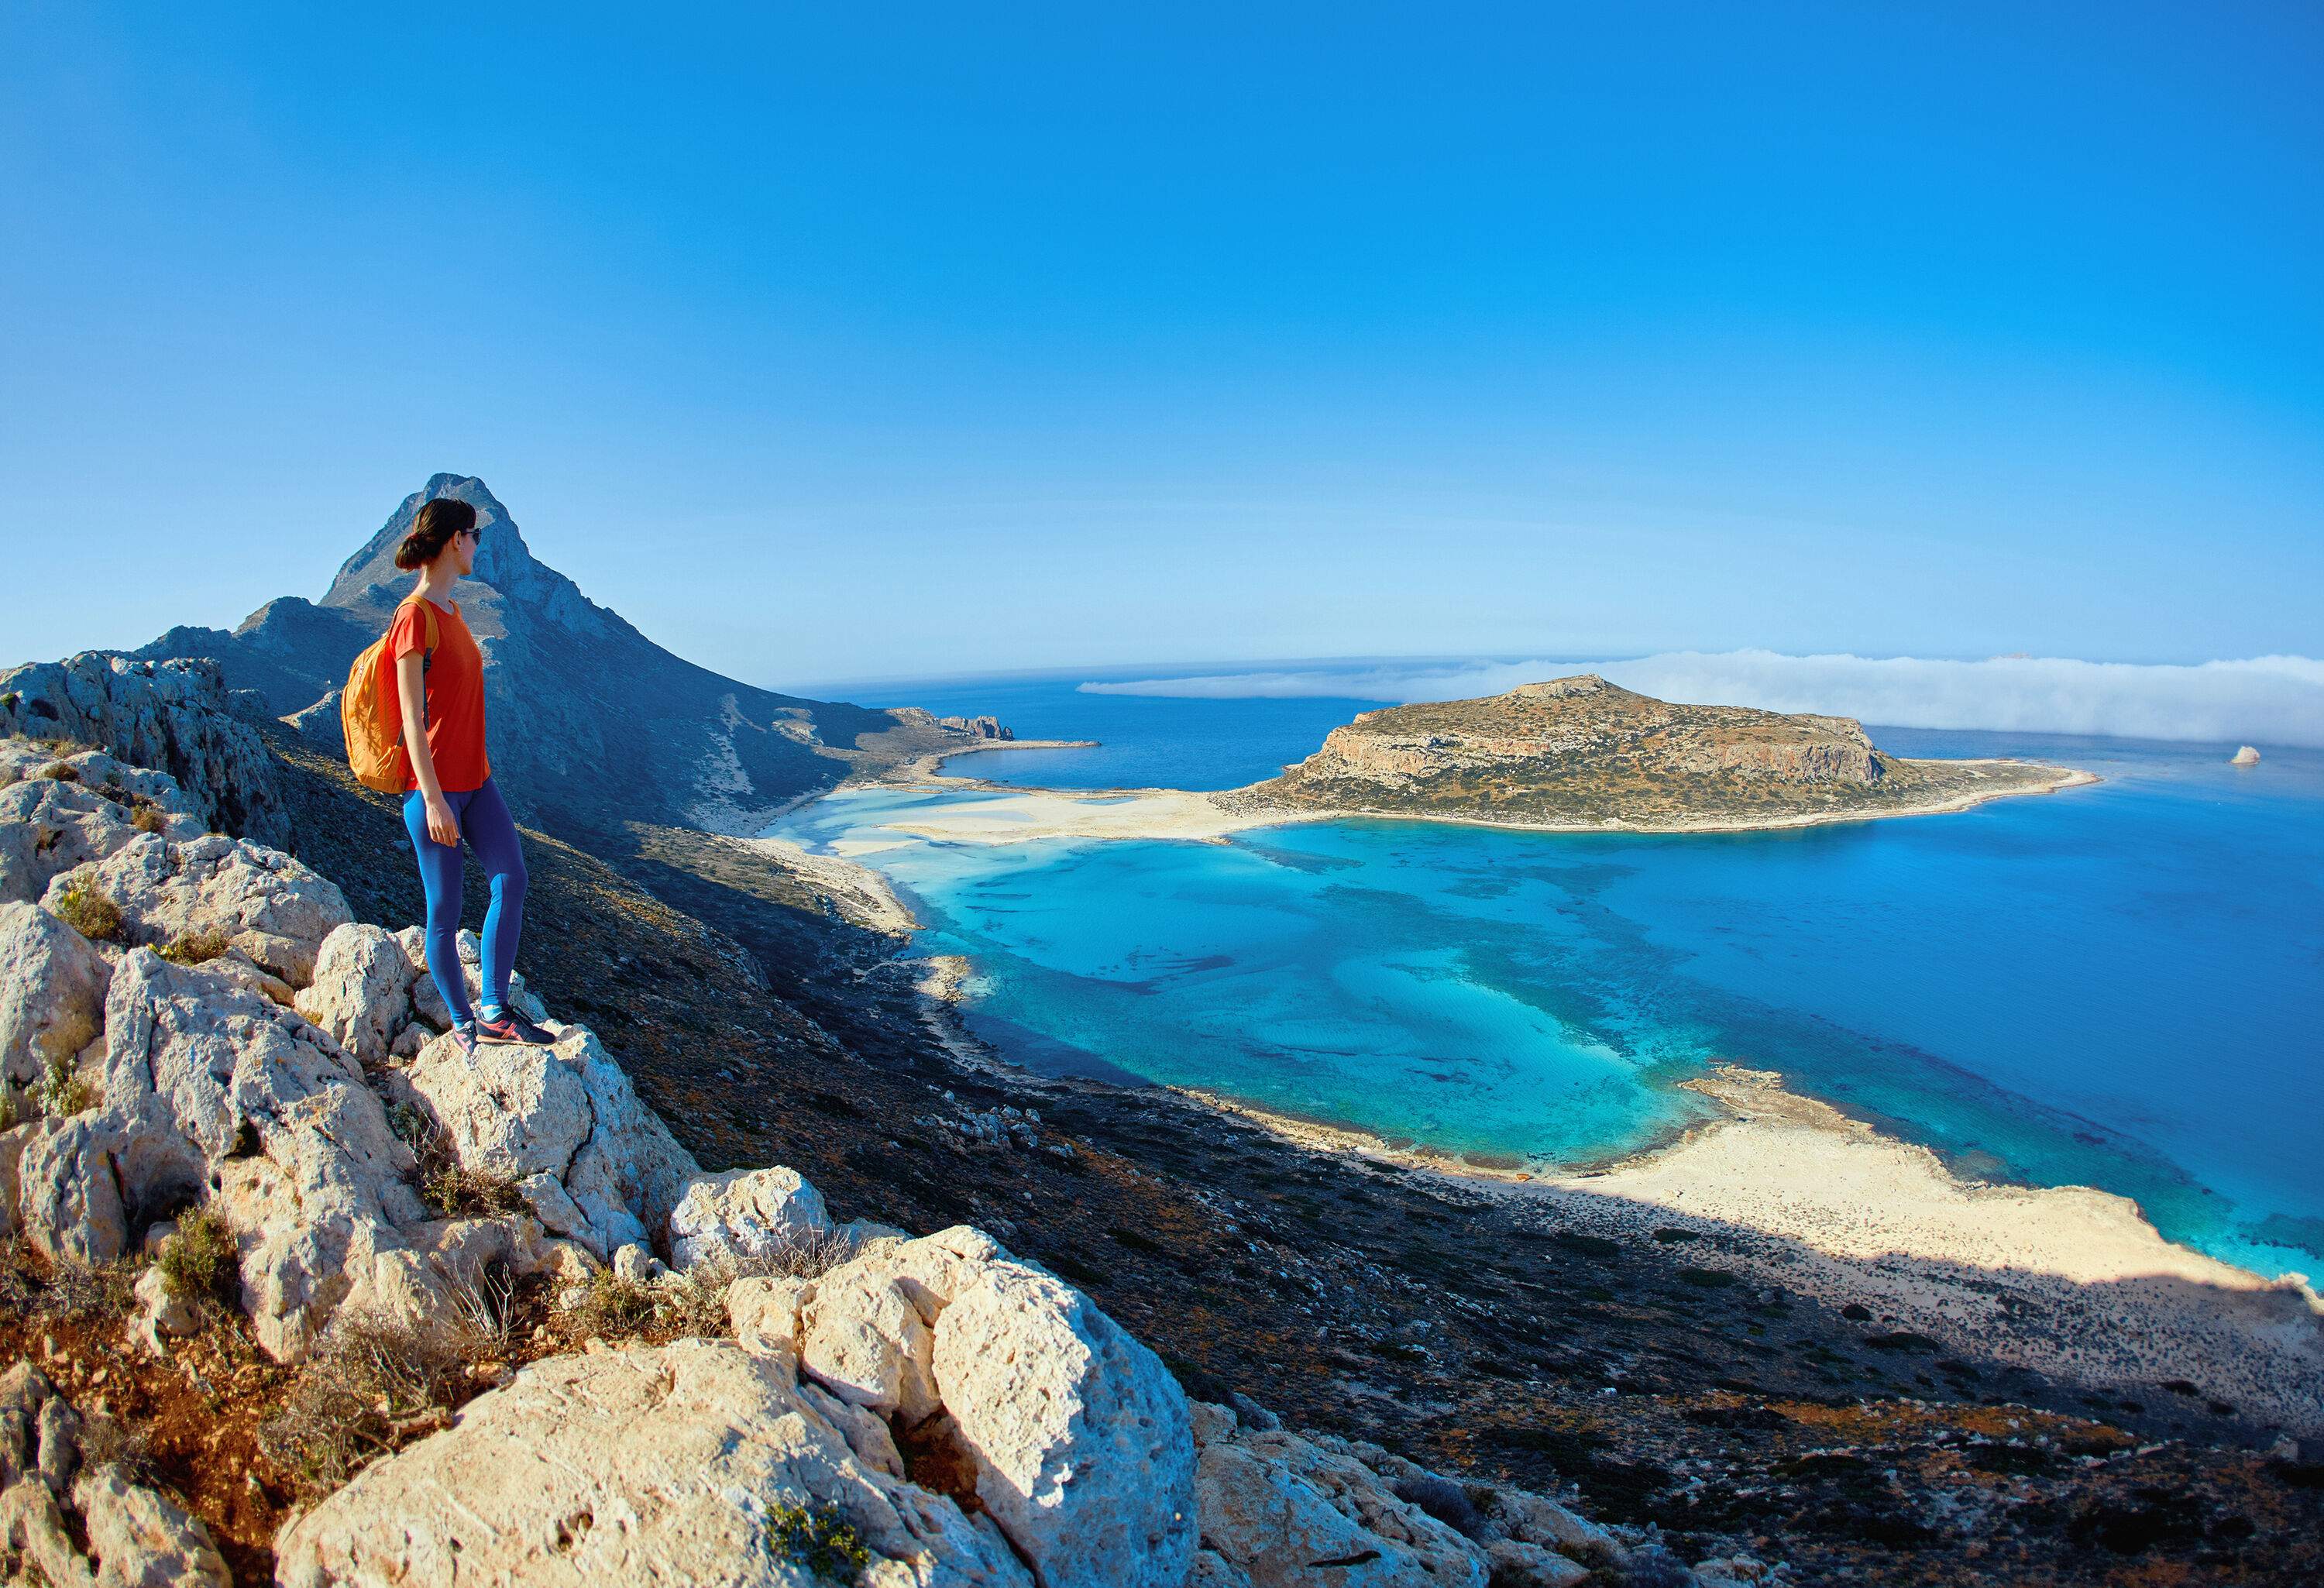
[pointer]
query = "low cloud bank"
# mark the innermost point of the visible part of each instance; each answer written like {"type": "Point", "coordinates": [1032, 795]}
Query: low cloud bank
{"type": "Point", "coordinates": [2265, 700]}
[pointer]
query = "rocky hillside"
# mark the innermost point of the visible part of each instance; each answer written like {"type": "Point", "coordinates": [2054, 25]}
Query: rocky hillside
{"type": "Point", "coordinates": [591, 724]}
{"type": "Point", "coordinates": [1581, 751]}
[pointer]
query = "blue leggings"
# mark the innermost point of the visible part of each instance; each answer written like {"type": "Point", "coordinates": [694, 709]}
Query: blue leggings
{"type": "Point", "coordinates": [484, 823]}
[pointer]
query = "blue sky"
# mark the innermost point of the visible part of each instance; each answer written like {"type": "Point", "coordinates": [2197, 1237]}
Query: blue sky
{"type": "Point", "coordinates": [956, 339]}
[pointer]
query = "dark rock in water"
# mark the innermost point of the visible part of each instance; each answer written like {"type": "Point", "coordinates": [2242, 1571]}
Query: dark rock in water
{"type": "Point", "coordinates": [592, 725]}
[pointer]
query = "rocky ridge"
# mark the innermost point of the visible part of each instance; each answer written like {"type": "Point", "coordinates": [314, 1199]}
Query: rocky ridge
{"type": "Point", "coordinates": [695, 747]}
{"type": "Point", "coordinates": [213, 1039]}
{"type": "Point", "coordinates": [1581, 751]}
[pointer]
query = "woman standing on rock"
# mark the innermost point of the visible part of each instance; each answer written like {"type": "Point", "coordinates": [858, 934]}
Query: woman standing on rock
{"type": "Point", "coordinates": [439, 697]}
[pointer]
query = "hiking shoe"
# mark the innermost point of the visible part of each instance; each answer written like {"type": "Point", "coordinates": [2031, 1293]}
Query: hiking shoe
{"type": "Point", "coordinates": [508, 1026]}
{"type": "Point", "coordinates": [463, 1037]}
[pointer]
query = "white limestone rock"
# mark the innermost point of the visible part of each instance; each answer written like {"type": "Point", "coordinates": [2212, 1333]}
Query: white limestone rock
{"type": "Point", "coordinates": [764, 1314]}
{"type": "Point", "coordinates": [743, 1214]}
{"type": "Point", "coordinates": [428, 1006]}
{"type": "Point", "coordinates": [142, 1538]}
{"type": "Point", "coordinates": [361, 990]}
{"type": "Point", "coordinates": [1280, 1506]}
{"type": "Point", "coordinates": [1081, 1436]}
{"type": "Point", "coordinates": [509, 1109]}
{"type": "Point", "coordinates": [273, 908]}
{"type": "Point", "coordinates": [863, 1338]}
{"type": "Point", "coordinates": [52, 986]}
{"type": "Point", "coordinates": [68, 1190]}
{"type": "Point", "coordinates": [171, 713]}
{"type": "Point", "coordinates": [650, 1465]}
{"type": "Point", "coordinates": [49, 826]}
{"type": "Point", "coordinates": [628, 1176]}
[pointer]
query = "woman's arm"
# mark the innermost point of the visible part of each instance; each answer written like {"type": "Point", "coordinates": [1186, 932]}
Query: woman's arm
{"type": "Point", "coordinates": [412, 693]}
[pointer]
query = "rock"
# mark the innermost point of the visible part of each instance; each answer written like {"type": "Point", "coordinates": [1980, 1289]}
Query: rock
{"type": "Point", "coordinates": [273, 908]}
{"type": "Point", "coordinates": [361, 992]}
{"type": "Point", "coordinates": [863, 1338]}
{"type": "Point", "coordinates": [142, 1538]}
{"type": "Point", "coordinates": [51, 991]}
{"type": "Point", "coordinates": [68, 1190]}
{"type": "Point", "coordinates": [59, 1427]}
{"type": "Point", "coordinates": [764, 1313]}
{"type": "Point", "coordinates": [1530, 1518]}
{"type": "Point", "coordinates": [33, 1535]}
{"type": "Point", "coordinates": [627, 1178]}
{"type": "Point", "coordinates": [509, 1109]}
{"type": "Point", "coordinates": [651, 1465]}
{"type": "Point", "coordinates": [743, 1214]}
{"type": "Point", "coordinates": [1291, 1511]}
{"type": "Point", "coordinates": [160, 1315]}
{"type": "Point", "coordinates": [172, 715]}
{"type": "Point", "coordinates": [49, 826]}
{"type": "Point", "coordinates": [559, 1214]}
{"type": "Point", "coordinates": [1080, 1435]}
{"type": "Point", "coordinates": [1518, 1564]}
{"type": "Point", "coordinates": [2247, 756]}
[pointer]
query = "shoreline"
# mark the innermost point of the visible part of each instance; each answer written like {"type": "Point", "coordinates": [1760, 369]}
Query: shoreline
{"type": "Point", "coordinates": [1026, 814]}
{"type": "Point", "coordinates": [2069, 1281]}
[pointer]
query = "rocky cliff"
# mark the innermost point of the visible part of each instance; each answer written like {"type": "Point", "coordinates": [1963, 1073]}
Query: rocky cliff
{"type": "Point", "coordinates": [1581, 751]}
{"type": "Point", "coordinates": [591, 724]}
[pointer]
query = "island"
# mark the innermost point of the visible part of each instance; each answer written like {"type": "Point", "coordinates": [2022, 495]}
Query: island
{"type": "Point", "coordinates": [1580, 751]}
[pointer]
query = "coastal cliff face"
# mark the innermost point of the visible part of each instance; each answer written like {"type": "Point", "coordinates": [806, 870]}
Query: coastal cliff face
{"type": "Point", "coordinates": [573, 691]}
{"type": "Point", "coordinates": [1581, 749]}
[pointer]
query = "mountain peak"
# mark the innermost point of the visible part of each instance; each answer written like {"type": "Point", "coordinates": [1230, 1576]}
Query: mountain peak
{"type": "Point", "coordinates": [370, 577]}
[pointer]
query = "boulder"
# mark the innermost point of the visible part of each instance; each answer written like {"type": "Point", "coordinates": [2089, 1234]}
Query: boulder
{"type": "Point", "coordinates": [361, 990]}
{"type": "Point", "coordinates": [1074, 1436]}
{"type": "Point", "coordinates": [509, 1110]}
{"type": "Point", "coordinates": [139, 1537]}
{"type": "Point", "coordinates": [649, 1465]}
{"type": "Point", "coordinates": [628, 1176]}
{"type": "Point", "coordinates": [273, 908]}
{"type": "Point", "coordinates": [744, 1213]}
{"type": "Point", "coordinates": [51, 991]}
{"type": "Point", "coordinates": [68, 1190]}
{"type": "Point", "coordinates": [1294, 1512]}
{"type": "Point", "coordinates": [164, 715]}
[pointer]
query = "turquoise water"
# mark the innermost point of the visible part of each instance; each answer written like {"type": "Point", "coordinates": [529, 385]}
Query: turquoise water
{"type": "Point", "coordinates": [2116, 985]}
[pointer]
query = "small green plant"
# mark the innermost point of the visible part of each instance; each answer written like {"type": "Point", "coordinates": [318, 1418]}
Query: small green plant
{"type": "Point", "coordinates": [456, 1192]}
{"type": "Point", "coordinates": [818, 1539]}
{"type": "Point", "coordinates": [61, 773]}
{"type": "Point", "coordinates": [87, 910]}
{"type": "Point", "coordinates": [194, 948]}
{"type": "Point", "coordinates": [610, 1305]}
{"type": "Point", "coordinates": [64, 1090]}
{"type": "Point", "coordinates": [11, 1112]}
{"type": "Point", "coordinates": [198, 1263]}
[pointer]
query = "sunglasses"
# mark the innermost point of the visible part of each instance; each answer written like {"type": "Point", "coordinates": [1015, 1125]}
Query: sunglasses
{"type": "Point", "coordinates": [471, 534]}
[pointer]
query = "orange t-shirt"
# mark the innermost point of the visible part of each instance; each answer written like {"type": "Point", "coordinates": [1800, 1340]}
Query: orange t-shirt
{"type": "Point", "coordinates": [456, 694]}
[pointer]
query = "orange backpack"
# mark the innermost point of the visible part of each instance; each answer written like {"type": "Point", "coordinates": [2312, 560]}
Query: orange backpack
{"type": "Point", "coordinates": [374, 743]}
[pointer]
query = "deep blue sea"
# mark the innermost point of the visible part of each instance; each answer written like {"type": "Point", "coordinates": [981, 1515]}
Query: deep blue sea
{"type": "Point", "coordinates": [2117, 985]}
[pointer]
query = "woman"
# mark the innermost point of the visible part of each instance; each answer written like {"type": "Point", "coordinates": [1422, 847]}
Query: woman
{"type": "Point", "coordinates": [439, 697]}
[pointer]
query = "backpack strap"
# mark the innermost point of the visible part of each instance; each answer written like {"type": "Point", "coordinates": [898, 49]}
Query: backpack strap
{"type": "Point", "coordinates": [427, 612]}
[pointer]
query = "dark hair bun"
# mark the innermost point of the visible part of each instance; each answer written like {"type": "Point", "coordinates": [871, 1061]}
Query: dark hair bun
{"type": "Point", "coordinates": [432, 529]}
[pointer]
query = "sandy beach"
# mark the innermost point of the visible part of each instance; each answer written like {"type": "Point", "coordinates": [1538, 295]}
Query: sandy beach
{"type": "Point", "coordinates": [1020, 815]}
{"type": "Point", "coordinates": [2069, 1281]}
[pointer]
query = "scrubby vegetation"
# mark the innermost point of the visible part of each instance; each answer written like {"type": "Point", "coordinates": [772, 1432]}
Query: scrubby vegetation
{"type": "Point", "coordinates": [819, 1540]}
{"type": "Point", "coordinates": [198, 1262]}
{"type": "Point", "coordinates": [64, 1090]}
{"type": "Point", "coordinates": [372, 1382]}
{"type": "Point", "coordinates": [194, 948]}
{"type": "Point", "coordinates": [87, 910]}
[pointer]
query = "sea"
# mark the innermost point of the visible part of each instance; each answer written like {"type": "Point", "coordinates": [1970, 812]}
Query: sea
{"type": "Point", "coordinates": [2118, 985]}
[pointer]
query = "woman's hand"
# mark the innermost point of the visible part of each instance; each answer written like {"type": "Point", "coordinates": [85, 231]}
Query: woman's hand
{"type": "Point", "coordinates": [440, 825]}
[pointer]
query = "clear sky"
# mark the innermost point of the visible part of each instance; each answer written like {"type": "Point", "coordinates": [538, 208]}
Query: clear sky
{"type": "Point", "coordinates": [955, 338]}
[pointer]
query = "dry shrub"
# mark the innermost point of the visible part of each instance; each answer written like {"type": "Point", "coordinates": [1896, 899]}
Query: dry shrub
{"type": "Point", "coordinates": [448, 1189]}
{"type": "Point", "coordinates": [77, 1292]}
{"type": "Point", "coordinates": [87, 910]}
{"type": "Point", "coordinates": [149, 817]}
{"type": "Point", "coordinates": [61, 773]}
{"type": "Point", "coordinates": [483, 1310]}
{"type": "Point", "coordinates": [12, 1111]}
{"type": "Point", "coordinates": [65, 1091]}
{"type": "Point", "coordinates": [195, 948]}
{"type": "Point", "coordinates": [808, 1256]}
{"type": "Point", "coordinates": [611, 1307]}
{"type": "Point", "coordinates": [371, 1382]}
{"type": "Point", "coordinates": [200, 1263]}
